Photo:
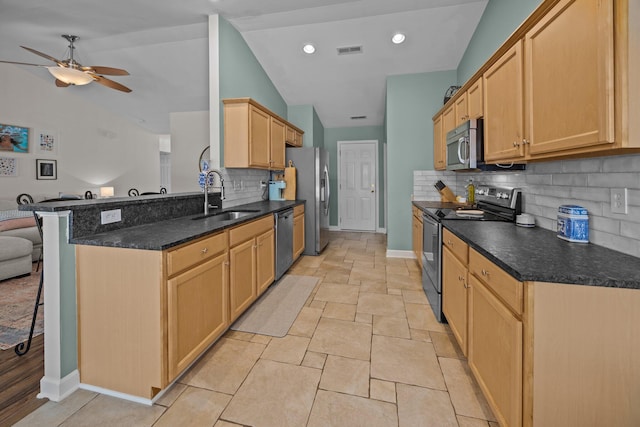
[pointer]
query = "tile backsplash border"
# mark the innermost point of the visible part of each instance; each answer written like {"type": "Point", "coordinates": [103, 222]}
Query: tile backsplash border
{"type": "Point", "coordinates": [584, 182]}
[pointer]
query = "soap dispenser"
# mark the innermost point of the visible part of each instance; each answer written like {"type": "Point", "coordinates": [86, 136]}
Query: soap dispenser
{"type": "Point", "coordinates": [471, 192]}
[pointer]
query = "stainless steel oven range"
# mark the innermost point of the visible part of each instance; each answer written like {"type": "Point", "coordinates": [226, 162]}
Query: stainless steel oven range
{"type": "Point", "coordinates": [493, 204]}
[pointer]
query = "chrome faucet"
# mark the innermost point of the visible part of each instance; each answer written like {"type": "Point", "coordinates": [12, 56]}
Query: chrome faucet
{"type": "Point", "coordinates": [206, 189]}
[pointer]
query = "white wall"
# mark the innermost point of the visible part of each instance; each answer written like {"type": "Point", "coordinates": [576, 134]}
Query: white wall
{"type": "Point", "coordinates": [189, 136]}
{"type": "Point", "coordinates": [96, 147]}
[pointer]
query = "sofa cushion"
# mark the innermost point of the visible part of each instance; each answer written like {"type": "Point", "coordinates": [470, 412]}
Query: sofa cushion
{"type": "Point", "coordinates": [14, 247]}
{"type": "Point", "coordinates": [11, 224]}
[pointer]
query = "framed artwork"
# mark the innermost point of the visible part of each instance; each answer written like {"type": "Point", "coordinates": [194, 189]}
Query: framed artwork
{"type": "Point", "coordinates": [46, 169]}
{"type": "Point", "coordinates": [14, 138]}
{"type": "Point", "coordinates": [8, 166]}
{"type": "Point", "coordinates": [47, 142]}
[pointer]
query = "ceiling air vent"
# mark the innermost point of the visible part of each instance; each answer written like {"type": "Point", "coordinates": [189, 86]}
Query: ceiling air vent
{"type": "Point", "coordinates": [358, 117]}
{"type": "Point", "coordinates": [349, 50]}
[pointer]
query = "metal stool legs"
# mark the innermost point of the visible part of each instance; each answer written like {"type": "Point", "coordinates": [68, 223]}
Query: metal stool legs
{"type": "Point", "coordinates": [22, 349]}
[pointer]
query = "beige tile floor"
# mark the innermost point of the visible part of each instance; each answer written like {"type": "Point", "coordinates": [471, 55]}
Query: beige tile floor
{"type": "Point", "coordinates": [365, 350]}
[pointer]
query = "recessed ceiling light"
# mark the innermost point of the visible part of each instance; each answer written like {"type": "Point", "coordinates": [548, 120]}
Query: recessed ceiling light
{"type": "Point", "coordinates": [308, 48]}
{"type": "Point", "coordinates": [398, 38]}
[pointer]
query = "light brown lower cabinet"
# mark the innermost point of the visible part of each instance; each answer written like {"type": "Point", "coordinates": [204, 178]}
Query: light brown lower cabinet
{"type": "Point", "coordinates": [298, 231]}
{"type": "Point", "coordinates": [547, 354]}
{"type": "Point", "coordinates": [251, 259]}
{"type": "Point", "coordinates": [454, 296]}
{"type": "Point", "coordinates": [416, 234]}
{"type": "Point", "coordinates": [144, 316]}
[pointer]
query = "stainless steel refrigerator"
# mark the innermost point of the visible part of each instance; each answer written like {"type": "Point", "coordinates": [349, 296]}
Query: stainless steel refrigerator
{"type": "Point", "coordinates": [312, 185]}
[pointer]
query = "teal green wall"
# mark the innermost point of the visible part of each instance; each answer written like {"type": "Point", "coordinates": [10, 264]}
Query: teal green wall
{"type": "Point", "coordinates": [412, 100]}
{"type": "Point", "coordinates": [331, 138]}
{"type": "Point", "coordinates": [306, 118]}
{"type": "Point", "coordinates": [498, 22]}
{"type": "Point", "coordinates": [241, 75]}
{"type": "Point", "coordinates": [68, 318]}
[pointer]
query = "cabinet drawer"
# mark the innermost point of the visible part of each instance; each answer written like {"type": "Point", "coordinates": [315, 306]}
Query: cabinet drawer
{"type": "Point", "coordinates": [195, 252]}
{"type": "Point", "coordinates": [456, 245]}
{"type": "Point", "coordinates": [249, 230]}
{"type": "Point", "coordinates": [298, 210]}
{"type": "Point", "coordinates": [497, 280]}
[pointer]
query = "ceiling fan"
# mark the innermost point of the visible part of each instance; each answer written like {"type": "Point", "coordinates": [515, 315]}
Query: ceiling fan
{"type": "Point", "coordinates": [70, 72]}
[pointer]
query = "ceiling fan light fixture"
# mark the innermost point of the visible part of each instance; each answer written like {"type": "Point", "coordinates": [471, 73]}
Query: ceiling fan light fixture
{"type": "Point", "coordinates": [308, 48]}
{"type": "Point", "coordinates": [398, 38]}
{"type": "Point", "coordinates": [70, 76]}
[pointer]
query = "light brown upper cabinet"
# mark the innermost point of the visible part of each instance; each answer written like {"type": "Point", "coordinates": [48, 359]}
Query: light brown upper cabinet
{"type": "Point", "coordinates": [569, 75]}
{"type": "Point", "coordinates": [254, 137]}
{"type": "Point", "coordinates": [475, 100]}
{"type": "Point", "coordinates": [562, 86]}
{"type": "Point", "coordinates": [503, 107]}
{"type": "Point", "coordinates": [439, 148]}
{"type": "Point", "coordinates": [294, 137]}
{"type": "Point", "coordinates": [462, 112]}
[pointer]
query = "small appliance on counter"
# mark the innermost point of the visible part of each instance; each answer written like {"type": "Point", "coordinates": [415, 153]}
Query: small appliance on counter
{"type": "Point", "coordinates": [525, 220]}
{"type": "Point", "coordinates": [276, 190]}
{"type": "Point", "coordinates": [573, 223]}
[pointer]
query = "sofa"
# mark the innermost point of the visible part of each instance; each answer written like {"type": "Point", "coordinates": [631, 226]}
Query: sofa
{"type": "Point", "coordinates": [14, 223]}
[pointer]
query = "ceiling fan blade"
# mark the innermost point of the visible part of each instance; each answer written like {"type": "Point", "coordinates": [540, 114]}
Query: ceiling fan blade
{"type": "Point", "coordinates": [23, 63]}
{"type": "Point", "coordinates": [110, 83]}
{"type": "Point", "coordinates": [109, 71]}
{"type": "Point", "coordinates": [60, 83]}
{"type": "Point", "coordinates": [44, 55]}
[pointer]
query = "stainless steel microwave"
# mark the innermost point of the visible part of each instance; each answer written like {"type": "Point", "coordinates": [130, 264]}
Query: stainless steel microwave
{"type": "Point", "coordinates": [464, 146]}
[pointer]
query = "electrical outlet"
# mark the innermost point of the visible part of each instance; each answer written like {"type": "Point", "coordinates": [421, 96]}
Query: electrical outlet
{"type": "Point", "coordinates": [263, 184]}
{"type": "Point", "coordinates": [108, 217]}
{"type": "Point", "coordinates": [619, 200]}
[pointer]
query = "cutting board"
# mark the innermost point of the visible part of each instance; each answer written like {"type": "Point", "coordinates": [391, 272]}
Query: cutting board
{"type": "Point", "coordinates": [290, 181]}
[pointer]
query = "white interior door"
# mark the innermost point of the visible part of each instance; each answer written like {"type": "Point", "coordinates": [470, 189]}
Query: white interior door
{"type": "Point", "coordinates": [357, 188]}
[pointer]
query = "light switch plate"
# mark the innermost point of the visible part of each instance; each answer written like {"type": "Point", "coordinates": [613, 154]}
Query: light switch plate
{"type": "Point", "coordinates": [619, 200]}
{"type": "Point", "coordinates": [109, 217]}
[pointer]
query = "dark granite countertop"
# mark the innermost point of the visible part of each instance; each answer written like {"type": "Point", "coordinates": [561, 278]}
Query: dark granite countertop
{"type": "Point", "coordinates": [172, 232]}
{"type": "Point", "coordinates": [537, 254]}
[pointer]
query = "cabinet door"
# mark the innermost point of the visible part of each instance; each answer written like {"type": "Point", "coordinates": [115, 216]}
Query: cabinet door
{"type": "Point", "coordinates": [278, 131]}
{"type": "Point", "coordinates": [448, 121]}
{"type": "Point", "coordinates": [290, 135]}
{"type": "Point", "coordinates": [299, 139]}
{"type": "Point", "coordinates": [265, 260]}
{"type": "Point", "coordinates": [454, 296]}
{"type": "Point", "coordinates": [298, 235]}
{"type": "Point", "coordinates": [417, 239]}
{"type": "Point", "coordinates": [569, 69]}
{"type": "Point", "coordinates": [503, 107]}
{"type": "Point", "coordinates": [242, 277]}
{"type": "Point", "coordinates": [475, 100]}
{"type": "Point", "coordinates": [439, 149]}
{"type": "Point", "coordinates": [495, 353]}
{"type": "Point", "coordinates": [462, 112]}
{"type": "Point", "coordinates": [197, 310]}
{"type": "Point", "coordinates": [258, 137]}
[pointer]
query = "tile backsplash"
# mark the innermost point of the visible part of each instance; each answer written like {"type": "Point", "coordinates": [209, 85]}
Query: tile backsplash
{"type": "Point", "coordinates": [547, 185]}
{"type": "Point", "coordinates": [243, 186]}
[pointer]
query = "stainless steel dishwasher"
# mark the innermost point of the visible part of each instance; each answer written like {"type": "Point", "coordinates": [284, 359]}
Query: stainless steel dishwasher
{"type": "Point", "coordinates": [284, 241]}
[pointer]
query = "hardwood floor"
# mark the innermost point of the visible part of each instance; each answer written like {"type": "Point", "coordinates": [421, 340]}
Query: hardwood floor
{"type": "Point", "coordinates": [20, 379]}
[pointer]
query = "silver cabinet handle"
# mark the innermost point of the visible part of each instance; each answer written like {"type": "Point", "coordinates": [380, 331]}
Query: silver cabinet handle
{"type": "Point", "coordinates": [204, 250]}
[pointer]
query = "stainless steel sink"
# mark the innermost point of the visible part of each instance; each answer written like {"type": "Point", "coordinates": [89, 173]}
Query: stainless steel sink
{"type": "Point", "coordinates": [227, 215]}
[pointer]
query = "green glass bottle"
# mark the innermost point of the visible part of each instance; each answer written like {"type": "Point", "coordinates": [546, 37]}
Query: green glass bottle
{"type": "Point", "coordinates": [471, 192]}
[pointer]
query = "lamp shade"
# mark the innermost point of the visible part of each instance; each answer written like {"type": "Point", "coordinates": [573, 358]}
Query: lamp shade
{"type": "Point", "coordinates": [106, 191]}
{"type": "Point", "coordinates": [70, 76]}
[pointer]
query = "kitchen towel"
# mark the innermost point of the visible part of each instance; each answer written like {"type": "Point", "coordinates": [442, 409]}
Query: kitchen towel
{"type": "Point", "coordinates": [290, 181]}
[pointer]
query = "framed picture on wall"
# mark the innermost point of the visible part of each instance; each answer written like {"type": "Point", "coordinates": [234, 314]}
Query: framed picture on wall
{"type": "Point", "coordinates": [8, 166]}
{"type": "Point", "coordinates": [47, 142]}
{"type": "Point", "coordinates": [46, 169]}
{"type": "Point", "coordinates": [14, 138]}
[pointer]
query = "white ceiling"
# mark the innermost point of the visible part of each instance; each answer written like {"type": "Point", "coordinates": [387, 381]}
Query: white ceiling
{"type": "Point", "coordinates": [164, 46]}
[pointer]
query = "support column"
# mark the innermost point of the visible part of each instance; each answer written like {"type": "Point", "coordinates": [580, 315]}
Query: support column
{"type": "Point", "coordinates": [61, 377]}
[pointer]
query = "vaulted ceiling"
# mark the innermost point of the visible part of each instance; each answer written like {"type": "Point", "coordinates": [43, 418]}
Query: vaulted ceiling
{"type": "Point", "coordinates": [164, 46]}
